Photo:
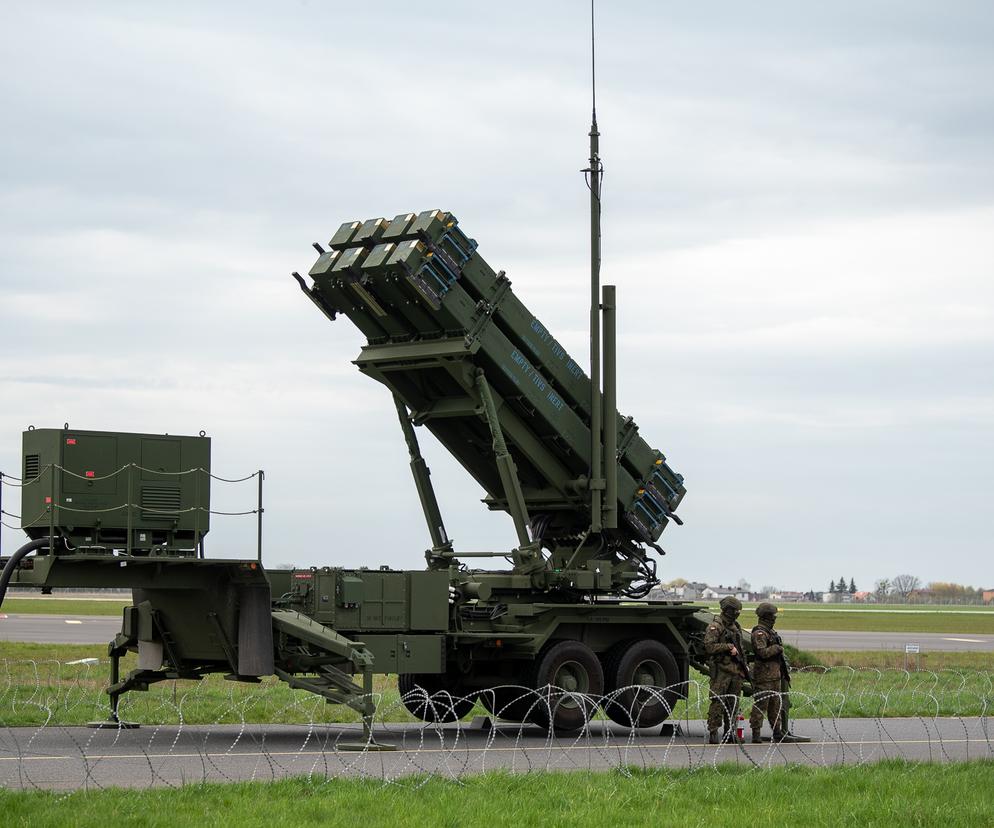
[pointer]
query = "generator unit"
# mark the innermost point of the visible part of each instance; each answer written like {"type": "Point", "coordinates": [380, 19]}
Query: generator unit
{"type": "Point", "coordinates": [105, 490]}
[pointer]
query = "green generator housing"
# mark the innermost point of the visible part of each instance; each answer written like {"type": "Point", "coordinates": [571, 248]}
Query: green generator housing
{"type": "Point", "coordinates": [116, 490]}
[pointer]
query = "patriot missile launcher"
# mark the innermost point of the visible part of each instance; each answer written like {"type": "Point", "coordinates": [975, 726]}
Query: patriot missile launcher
{"type": "Point", "coordinates": [466, 359]}
{"type": "Point", "coordinates": [463, 357]}
{"type": "Point", "coordinates": [545, 641]}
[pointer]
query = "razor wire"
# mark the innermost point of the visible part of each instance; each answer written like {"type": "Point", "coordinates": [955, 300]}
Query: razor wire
{"type": "Point", "coordinates": [221, 731]}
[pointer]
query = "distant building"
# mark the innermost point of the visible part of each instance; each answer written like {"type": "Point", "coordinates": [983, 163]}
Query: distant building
{"type": "Point", "coordinates": [864, 597]}
{"type": "Point", "coordinates": [717, 593]}
{"type": "Point", "coordinates": [692, 591]}
{"type": "Point", "coordinates": [787, 596]}
{"type": "Point", "coordinates": [988, 596]}
{"type": "Point", "coordinates": [836, 598]}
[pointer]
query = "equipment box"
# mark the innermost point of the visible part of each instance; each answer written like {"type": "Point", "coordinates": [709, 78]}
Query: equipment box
{"type": "Point", "coordinates": [116, 490]}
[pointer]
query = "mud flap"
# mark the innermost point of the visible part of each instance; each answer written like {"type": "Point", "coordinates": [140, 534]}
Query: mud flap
{"type": "Point", "coordinates": [255, 631]}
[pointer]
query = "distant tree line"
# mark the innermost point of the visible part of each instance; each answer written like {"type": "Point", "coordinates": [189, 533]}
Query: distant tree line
{"type": "Point", "coordinates": [909, 589]}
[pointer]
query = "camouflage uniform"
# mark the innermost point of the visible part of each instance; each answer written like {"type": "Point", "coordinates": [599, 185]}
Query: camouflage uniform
{"type": "Point", "coordinates": [726, 674]}
{"type": "Point", "coordinates": [766, 673]}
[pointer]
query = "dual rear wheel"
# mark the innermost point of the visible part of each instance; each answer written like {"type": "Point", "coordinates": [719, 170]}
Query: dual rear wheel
{"type": "Point", "coordinates": [637, 685]}
{"type": "Point", "coordinates": [433, 697]}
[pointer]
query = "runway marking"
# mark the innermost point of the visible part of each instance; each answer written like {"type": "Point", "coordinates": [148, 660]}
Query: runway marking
{"type": "Point", "coordinates": [481, 750]}
{"type": "Point", "coordinates": [967, 640]}
{"type": "Point", "coordinates": [72, 621]}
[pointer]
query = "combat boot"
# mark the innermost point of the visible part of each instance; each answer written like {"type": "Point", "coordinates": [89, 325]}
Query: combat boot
{"type": "Point", "coordinates": [778, 735]}
{"type": "Point", "coordinates": [731, 737]}
{"type": "Point", "coordinates": [757, 739]}
{"type": "Point", "coordinates": [713, 737]}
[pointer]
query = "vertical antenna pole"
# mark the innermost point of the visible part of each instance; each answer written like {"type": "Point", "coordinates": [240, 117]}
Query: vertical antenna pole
{"type": "Point", "coordinates": [594, 171]}
{"type": "Point", "coordinates": [610, 399]}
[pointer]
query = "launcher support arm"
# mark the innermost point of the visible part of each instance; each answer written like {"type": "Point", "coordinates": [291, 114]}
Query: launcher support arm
{"type": "Point", "coordinates": [527, 557]}
{"type": "Point", "coordinates": [422, 480]}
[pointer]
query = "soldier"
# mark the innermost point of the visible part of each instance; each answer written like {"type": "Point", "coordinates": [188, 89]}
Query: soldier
{"type": "Point", "coordinates": [767, 674]}
{"type": "Point", "coordinates": [722, 644]}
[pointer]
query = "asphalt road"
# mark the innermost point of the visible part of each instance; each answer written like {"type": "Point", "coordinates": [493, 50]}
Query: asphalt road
{"type": "Point", "coordinates": [67, 758]}
{"type": "Point", "coordinates": [59, 629]}
{"type": "Point", "coordinates": [99, 629]}
{"type": "Point", "coordinates": [836, 640]}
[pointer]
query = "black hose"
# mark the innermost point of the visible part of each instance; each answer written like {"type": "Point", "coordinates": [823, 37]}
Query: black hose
{"type": "Point", "coordinates": [14, 560]}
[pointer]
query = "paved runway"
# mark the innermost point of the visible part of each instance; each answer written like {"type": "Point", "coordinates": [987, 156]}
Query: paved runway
{"type": "Point", "coordinates": [836, 640]}
{"type": "Point", "coordinates": [75, 757]}
{"type": "Point", "coordinates": [59, 629]}
{"type": "Point", "coordinates": [99, 629]}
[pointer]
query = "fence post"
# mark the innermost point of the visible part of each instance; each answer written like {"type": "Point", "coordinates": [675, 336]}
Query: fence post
{"type": "Point", "coordinates": [259, 511]}
{"type": "Point", "coordinates": [127, 547]}
{"type": "Point", "coordinates": [198, 552]}
{"type": "Point", "coordinates": [51, 512]}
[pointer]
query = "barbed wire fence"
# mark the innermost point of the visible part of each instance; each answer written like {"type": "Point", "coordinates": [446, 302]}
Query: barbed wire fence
{"type": "Point", "coordinates": [217, 731]}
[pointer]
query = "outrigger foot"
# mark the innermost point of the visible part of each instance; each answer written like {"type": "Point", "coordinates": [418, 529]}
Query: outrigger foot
{"type": "Point", "coordinates": [369, 742]}
{"type": "Point", "coordinates": [110, 723]}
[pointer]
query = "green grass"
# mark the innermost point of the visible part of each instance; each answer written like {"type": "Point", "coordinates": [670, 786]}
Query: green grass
{"type": "Point", "coordinates": [895, 659]}
{"type": "Point", "coordinates": [804, 606]}
{"type": "Point", "coordinates": [911, 618]}
{"type": "Point", "coordinates": [38, 686]}
{"type": "Point", "coordinates": [888, 793]}
{"type": "Point", "coordinates": [64, 606]}
{"type": "Point", "coordinates": [978, 623]}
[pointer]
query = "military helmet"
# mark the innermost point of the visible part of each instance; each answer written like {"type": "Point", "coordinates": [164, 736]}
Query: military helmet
{"type": "Point", "coordinates": [766, 609]}
{"type": "Point", "coordinates": [730, 602]}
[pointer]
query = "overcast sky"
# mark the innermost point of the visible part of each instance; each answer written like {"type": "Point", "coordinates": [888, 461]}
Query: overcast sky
{"type": "Point", "coordinates": [798, 214]}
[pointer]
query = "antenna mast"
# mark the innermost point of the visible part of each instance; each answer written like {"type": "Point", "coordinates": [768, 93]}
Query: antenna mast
{"type": "Point", "coordinates": [594, 172]}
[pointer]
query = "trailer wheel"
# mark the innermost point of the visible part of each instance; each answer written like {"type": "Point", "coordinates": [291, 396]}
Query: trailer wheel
{"type": "Point", "coordinates": [570, 682]}
{"type": "Point", "coordinates": [429, 697]}
{"type": "Point", "coordinates": [645, 663]}
{"type": "Point", "coordinates": [510, 703]}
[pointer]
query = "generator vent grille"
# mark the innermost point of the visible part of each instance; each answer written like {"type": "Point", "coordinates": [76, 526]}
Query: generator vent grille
{"type": "Point", "coordinates": [32, 466]}
{"type": "Point", "coordinates": [160, 503]}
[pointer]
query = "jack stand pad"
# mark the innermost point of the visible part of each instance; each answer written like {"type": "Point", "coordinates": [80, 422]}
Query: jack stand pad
{"type": "Point", "coordinates": [111, 724]}
{"type": "Point", "coordinates": [671, 729]}
{"type": "Point", "coordinates": [371, 746]}
{"type": "Point", "coordinates": [790, 739]}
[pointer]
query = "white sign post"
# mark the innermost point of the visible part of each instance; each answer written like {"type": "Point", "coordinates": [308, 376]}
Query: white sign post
{"type": "Point", "coordinates": [915, 651]}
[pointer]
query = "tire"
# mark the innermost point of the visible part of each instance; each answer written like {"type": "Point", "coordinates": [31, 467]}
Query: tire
{"type": "Point", "coordinates": [432, 698]}
{"type": "Point", "coordinates": [510, 703]}
{"type": "Point", "coordinates": [570, 682]}
{"type": "Point", "coordinates": [647, 663]}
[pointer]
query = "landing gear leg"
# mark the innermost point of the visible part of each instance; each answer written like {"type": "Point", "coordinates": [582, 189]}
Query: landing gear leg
{"type": "Point", "coordinates": [116, 649]}
{"type": "Point", "coordinates": [368, 711]}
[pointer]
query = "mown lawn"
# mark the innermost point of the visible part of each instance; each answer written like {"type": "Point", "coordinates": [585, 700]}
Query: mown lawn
{"type": "Point", "coordinates": [977, 623]}
{"type": "Point", "coordinates": [64, 606]}
{"type": "Point", "coordinates": [38, 685]}
{"type": "Point", "coordinates": [888, 793]}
